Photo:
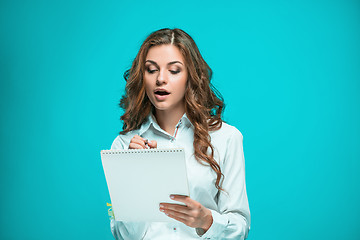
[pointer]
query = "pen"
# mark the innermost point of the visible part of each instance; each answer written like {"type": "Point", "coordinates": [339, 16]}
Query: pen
{"type": "Point", "coordinates": [147, 143]}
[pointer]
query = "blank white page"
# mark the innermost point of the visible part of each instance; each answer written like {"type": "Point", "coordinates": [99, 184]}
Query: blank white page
{"type": "Point", "coordinates": [139, 180]}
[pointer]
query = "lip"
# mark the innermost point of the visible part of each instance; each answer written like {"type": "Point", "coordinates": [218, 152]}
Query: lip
{"type": "Point", "coordinates": [161, 97]}
{"type": "Point", "coordinates": [161, 89]}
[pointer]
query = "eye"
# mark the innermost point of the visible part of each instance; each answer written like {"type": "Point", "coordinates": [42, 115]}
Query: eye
{"type": "Point", "coordinates": [174, 72]}
{"type": "Point", "coordinates": [151, 71]}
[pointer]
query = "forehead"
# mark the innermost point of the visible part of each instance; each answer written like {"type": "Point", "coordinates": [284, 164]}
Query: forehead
{"type": "Point", "coordinates": [164, 54]}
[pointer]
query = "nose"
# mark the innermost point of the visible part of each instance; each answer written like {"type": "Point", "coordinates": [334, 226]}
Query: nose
{"type": "Point", "coordinates": [161, 78]}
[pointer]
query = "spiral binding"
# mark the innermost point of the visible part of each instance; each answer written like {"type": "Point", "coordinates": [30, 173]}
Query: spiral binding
{"type": "Point", "coordinates": [124, 151]}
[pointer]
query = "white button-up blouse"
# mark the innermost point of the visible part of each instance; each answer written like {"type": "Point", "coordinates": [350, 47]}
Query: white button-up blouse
{"type": "Point", "coordinates": [230, 208]}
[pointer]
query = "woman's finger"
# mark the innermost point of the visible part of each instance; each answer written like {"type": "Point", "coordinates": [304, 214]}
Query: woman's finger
{"type": "Point", "coordinates": [184, 199]}
{"type": "Point", "coordinates": [135, 146]}
{"type": "Point", "coordinates": [174, 207]}
{"type": "Point", "coordinates": [139, 137]}
{"type": "Point", "coordinates": [138, 141]}
{"type": "Point", "coordinates": [176, 217]}
{"type": "Point", "coordinates": [193, 214]}
{"type": "Point", "coordinates": [152, 144]}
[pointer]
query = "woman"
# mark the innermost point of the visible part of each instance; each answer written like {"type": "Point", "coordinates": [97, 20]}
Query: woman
{"type": "Point", "coordinates": [169, 102]}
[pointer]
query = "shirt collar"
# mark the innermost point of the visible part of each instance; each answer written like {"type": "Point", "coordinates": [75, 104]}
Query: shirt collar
{"type": "Point", "coordinates": [151, 121]}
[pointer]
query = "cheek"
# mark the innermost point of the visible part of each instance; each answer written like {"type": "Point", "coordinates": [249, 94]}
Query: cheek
{"type": "Point", "coordinates": [180, 91]}
{"type": "Point", "coordinates": [148, 93]}
{"type": "Point", "coordinates": [180, 81]}
{"type": "Point", "coordinates": [147, 83]}
{"type": "Point", "coordinates": [182, 84]}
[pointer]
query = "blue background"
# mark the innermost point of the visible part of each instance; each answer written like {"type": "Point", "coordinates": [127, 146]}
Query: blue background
{"type": "Point", "coordinates": [289, 72]}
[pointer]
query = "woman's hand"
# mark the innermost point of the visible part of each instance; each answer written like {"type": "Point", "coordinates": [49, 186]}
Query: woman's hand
{"type": "Point", "coordinates": [193, 214]}
{"type": "Point", "coordinates": [138, 142]}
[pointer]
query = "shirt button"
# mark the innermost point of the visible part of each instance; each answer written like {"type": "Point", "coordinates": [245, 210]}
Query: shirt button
{"type": "Point", "coordinates": [174, 229]}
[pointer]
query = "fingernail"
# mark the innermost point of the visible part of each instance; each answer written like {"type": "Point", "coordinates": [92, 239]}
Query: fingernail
{"type": "Point", "coordinates": [172, 197]}
{"type": "Point", "coordinates": [161, 206]}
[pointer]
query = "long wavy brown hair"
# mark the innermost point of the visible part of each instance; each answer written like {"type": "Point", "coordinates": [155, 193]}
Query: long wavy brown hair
{"type": "Point", "coordinates": [203, 103]}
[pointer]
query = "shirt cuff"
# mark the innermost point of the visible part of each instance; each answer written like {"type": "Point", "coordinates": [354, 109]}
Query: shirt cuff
{"type": "Point", "coordinates": [220, 222]}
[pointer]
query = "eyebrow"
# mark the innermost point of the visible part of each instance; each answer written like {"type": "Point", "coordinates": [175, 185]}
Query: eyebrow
{"type": "Point", "coordinates": [170, 63]}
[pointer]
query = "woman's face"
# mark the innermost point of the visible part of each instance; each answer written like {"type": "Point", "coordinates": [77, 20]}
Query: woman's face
{"type": "Point", "coordinates": [165, 78]}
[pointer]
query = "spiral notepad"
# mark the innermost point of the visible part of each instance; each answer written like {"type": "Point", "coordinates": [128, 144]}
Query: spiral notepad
{"type": "Point", "coordinates": [139, 179]}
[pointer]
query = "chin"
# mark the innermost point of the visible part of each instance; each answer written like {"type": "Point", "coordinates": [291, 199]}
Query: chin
{"type": "Point", "coordinates": [161, 108]}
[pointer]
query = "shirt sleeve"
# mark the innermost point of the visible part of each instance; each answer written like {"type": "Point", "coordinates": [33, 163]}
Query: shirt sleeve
{"type": "Point", "coordinates": [126, 230]}
{"type": "Point", "coordinates": [119, 144]}
{"type": "Point", "coordinates": [232, 220]}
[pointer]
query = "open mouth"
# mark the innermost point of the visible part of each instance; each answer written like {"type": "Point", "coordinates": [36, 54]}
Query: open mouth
{"type": "Point", "coordinates": [162, 92]}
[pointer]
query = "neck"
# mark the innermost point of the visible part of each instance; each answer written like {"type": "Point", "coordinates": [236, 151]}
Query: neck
{"type": "Point", "coordinates": [167, 120]}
